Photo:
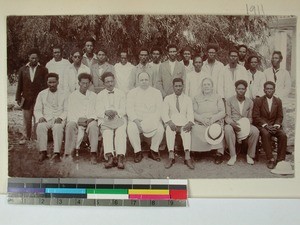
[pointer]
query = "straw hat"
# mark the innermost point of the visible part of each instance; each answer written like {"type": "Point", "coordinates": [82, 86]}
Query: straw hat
{"type": "Point", "coordinates": [244, 124]}
{"type": "Point", "coordinates": [283, 168]}
{"type": "Point", "coordinates": [149, 126]}
{"type": "Point", "coordinates": [112, 124]}
{"type": "Point", "coordinates": [214, 134]}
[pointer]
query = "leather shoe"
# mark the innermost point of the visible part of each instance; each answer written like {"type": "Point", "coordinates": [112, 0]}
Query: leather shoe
{"type": "Point", "coordinates": [154, 155]}
{"type": "Point", "coordinates": [189, 163]}
{"type": "Point", "coordinates": [271, 164]}
{"type": "Point", "coordinates": [56, 157]}
{"type": "Point", "coordinates": [120, 163]}
{"type": "Point", "coordinates": [110, 161]}
{"type": "Point", "coordinates": [218, 159]}
{"type": "Point", "coordinates": [169, 163]}
{"type": "Point", "coordinates": [43, 156]}
{"type": "Point", "coordinates": [138, 157]}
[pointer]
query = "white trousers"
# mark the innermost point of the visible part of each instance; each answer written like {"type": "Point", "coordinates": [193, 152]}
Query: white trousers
{"type": "Point", "coordinates": [115, 139]}
{"type": "Point", "coordinates": [185, 136]}
{"type": "Point", "coordinates": [42, 134]}
{"type": "Point", "coordinates": [135, 140]}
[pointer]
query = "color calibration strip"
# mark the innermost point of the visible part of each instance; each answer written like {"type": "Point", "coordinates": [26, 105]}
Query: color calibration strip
{"type": "Point", "coordinates": [97, 192]}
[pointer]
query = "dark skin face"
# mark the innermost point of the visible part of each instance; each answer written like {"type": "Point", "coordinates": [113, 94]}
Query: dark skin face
{"type": "Point", "coordinates": [155, 56]}
{"type": "Point", "coordinates": [33, 59]}
{"type": "Point", "coordinates": [253, 64]}
{"type": "Point", "coordinates": [77, 58]}
{"type": "Point", "coordinates": [276, 60]}
{"type": "Point", "coordinates": [101, 57]}
{"type": "Point", "coordinates": [89, 47]}
{"type": "Point", "coordinates": [178, 88]}
{"type": "Point", "coordinates": [233, 59]}
{"type": "Point", "coordinates": [84, 85]}
{"type": "Point", "coordinates": [52, 83]}
{"type": "Point", "coordinates": [269, 90]}
{"type": "Point", "coordinates": [240, 91]}
{"type": "Point", "coordinates": [123, 58]}
{"type": "Point", "coordinates": [144, 57]}
{"type": "Point", "coordinates": [242, 53]}
{"type": "Point", "coordinates": [187, 56]}
{"type": "Point", "coordinates": [172, 54]}
{"type": "Point", "coordinates": [57, 54]}
{"type": "Point", "coordinates": [211, 55]}
{"type": "Point", "coordinates": [198, 64]}
{"type": "Point", "coordinates": [109, 83]}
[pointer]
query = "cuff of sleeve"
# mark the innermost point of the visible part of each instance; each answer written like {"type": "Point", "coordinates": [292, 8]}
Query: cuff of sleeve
{"type": "Point", "coordinates": [264, 125]}
{"type": "Point", "coordinates": [277, 125]}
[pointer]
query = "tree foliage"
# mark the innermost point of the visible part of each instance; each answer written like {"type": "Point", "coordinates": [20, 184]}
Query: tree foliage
{"type": "Point", "coordinates": [130, 32]}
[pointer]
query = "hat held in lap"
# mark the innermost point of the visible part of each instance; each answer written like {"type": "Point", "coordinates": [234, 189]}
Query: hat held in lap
{"type": "Point", "coordinates": [214, 134]}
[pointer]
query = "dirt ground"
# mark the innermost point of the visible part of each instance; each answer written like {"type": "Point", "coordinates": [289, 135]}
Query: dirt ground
{"type": "Point", "coordinates": [23, 159]}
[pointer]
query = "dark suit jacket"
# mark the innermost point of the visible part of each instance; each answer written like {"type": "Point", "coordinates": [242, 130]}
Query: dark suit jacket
{"type": "Point", "coordinates": [29, 90]}
{"type": "Point", "coordinates": [261, 114]}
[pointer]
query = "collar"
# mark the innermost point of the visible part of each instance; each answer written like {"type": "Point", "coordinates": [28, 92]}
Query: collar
{"type": "Point", "coordinates": [94, 56]}
{"type": "Point", "coordinates": [38, 64]}
{"type": "Point", "coordinates": [141, 66]}
{"type": "Point", "coordinates": [114, 90]}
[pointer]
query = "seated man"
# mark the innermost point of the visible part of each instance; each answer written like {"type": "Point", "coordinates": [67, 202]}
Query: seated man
{"type": "Point", "coordinates": [111, 112]}
{"type": "Point", "coordinates": [82, 115]}
{"type": "Point", "coordinates": [268, 116]}
{"type": "Point", "coordinates": [237, 107]}
{"type": "Point", "coordinates": [50, 111]}
{"type": "Point", "coordinates": [178, 115]}
{"type": "Point", "coordinates": [144, 105]}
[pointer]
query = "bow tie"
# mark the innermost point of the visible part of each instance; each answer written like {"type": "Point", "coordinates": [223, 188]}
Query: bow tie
{"type": "Point", "coordinates": [111, 92]}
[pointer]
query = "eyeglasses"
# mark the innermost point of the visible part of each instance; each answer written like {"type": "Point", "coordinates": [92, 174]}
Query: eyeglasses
{"type": "Point", "coordinates": [76, 56]}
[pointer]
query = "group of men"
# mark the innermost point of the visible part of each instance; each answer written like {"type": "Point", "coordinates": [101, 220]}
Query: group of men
{"type": "Point", "coordinates": [149, 100]}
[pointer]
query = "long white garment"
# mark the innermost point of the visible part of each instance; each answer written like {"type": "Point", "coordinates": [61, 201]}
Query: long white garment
{"type": "Point", "coordinates": [256, 84]}
{"type": "Point", "coordinates": [188, 68]}
{"type": "Point", "coordinates": [227, 79]}
{"type": "Point", "coordinates": [193, 83]}
{"type": "Point", "coordinates": [283, 82]}
{"type": "Point", "coordinates": [70, 83]}
{"type": "Point", "coordinates": [59, 68]}
{"type": "Point", "coordinates": [186, 110]}
{"type": "Point", "coordinates": [214, 71]}
{"type": "Point", "coordinates": [123, 76]}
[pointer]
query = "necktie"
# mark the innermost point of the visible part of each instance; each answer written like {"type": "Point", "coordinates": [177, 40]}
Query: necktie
{"type": "Point", "coordinates": [274, 72]}
{"type": "Point", "coordinates": [177, 103]}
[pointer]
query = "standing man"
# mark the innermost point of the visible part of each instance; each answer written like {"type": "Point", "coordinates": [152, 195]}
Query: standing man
{"type": "Point", "coordinates": [82, 115]}
{"type": "Point", "coordinates": [143, 66]}
{"type": "Point", "coordinates": [212, 67]}
{"type": "Point", "coordinates": [156, 57]}
{"type": "Point", "coordinates": [71, 73]}
{"type": "Point", "coordinates": [231, 73]}
{"type": "Point", "coordinates": [194, 78]}
{"type": "Point", "coordinates": [267, 116]}
{"type": "Point", "coordinates": [50, 111]}
{"type": "Point", "coordinates": [280, 76]}
{"type": "Point", "coordinates": [243, 49]}
{"type": "Point", "coordinates": [89, 58]}
{"type": "Point", "coordinates": [111, 113]}
{"type": "Point", "coordinates": [187, 59]}
{"type": "Point", "coordinates": [144, 104]}
{"type": "Point", "coordinates": [31, 80]}
{"type": "Point", "coordinates": [237, 107]}
{"type": "Point", "coordinates": [256, 78]}
{"type": "Point", "coordinates": [169, 70]}
{"type": "Point", "coordinates": [178, 115]}
{"type": "Point", "coordinates": [58, 64]}
{"type": "Point", "coordinates": [100, 68]}
{"type": "Point", "coordinates": [123, 70]}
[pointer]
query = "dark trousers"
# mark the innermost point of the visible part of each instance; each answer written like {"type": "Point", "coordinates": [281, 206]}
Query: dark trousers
{"type": "Point", "coordinates": [27, 121]}
{"type": "Point", "coordinates": [267, 143]}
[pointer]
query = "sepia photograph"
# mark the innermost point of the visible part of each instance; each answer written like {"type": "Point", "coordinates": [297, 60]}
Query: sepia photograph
{"type": "Point", "coordinates": [151, 96]}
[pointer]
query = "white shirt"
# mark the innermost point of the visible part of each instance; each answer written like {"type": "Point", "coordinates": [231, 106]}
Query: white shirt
{"type": "Point", "coordinates": [283, 82]}
{"type": "Point", "coordinates": [193, 83]}
{"type": "Point", "coordinates": [123, 76]}
{"type": "Point", "coordinates": [90, 61]}
{"type": "Point", "coordinates": [50, 105]}
{"type": "Point", "coordinates": [185, 106]}
{"type": "Point", "coordinates": [241, 106]}
{"type": "Point", "coordinates": [80, 105]}
{"type": "Point", "coordinates": [110, 101]}
{"type": "Point", "coordinates": [172, 66]}
{"type": "Point", "coordinates": [58, 67]}
{"type": "Point", "coordinates": [189, 68]}
{"type": "Point", "coordinates": [227, 79]}
{"type": "Point", "coordinates": [213, 71]}
{"type": "Point", "coordinates": [256, 84]}
{"type": "Point", "coordinates": [143, 103]}
{"type": "Point", "coordinates": [270, 101]}
{"type": "Point", "coordinates": [70, 83]}
{"type": "Point", "coordinates": [32, 70]}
